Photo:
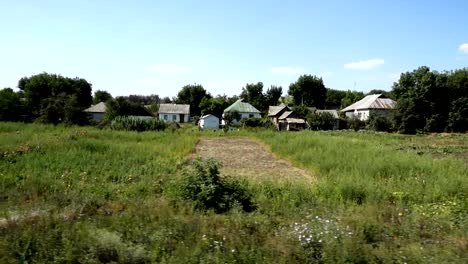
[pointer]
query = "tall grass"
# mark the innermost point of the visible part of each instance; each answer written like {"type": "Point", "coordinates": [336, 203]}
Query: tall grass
{"type": "Point", "coordinates": [73, 194]}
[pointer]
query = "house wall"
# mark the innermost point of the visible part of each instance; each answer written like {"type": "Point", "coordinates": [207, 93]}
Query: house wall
{"type": "Point", "coordinates": [364, 115]}
{"type": "Point", "coordinates": [97, 116]}
{"type": "Point", "coordinates": [210, 122]}
{"type": "Point", "coordinates": [171, 117]}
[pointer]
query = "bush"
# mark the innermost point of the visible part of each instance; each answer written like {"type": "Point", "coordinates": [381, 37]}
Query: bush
{"type": "Point", "coordinates": [355, 123]}
{"type": "Point", "coordinates": [380, 123]}
{"type": "Point", "coordinates": [209, 191]}
{"type": "Point", "coordinates": [257, 122]}
{"type": "Point", "coordinates": [323, 121]}
{"type": "Point", "coordinates": [131, 123]}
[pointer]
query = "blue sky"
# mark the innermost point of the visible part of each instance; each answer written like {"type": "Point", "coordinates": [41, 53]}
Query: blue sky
{"type": "Point", "coordinates": [156, 47]}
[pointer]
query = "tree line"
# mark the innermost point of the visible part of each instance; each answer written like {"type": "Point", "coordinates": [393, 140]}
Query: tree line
{"type": "Point", "coordinates": [427, 101]}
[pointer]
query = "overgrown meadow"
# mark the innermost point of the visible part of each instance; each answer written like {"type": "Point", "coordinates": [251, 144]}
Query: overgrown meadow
{"type": "Point", "coordinates": [84, 195]}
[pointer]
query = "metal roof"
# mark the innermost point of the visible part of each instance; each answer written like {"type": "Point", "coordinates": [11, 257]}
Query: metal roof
{"type": "Point", "coordinates": [274, 110]}
{"type": "Point", "coordinates": [241, 107]}
{"type": "Point", "coordinates": [295, 120]}
{"type": "Point", "coordinates": [174, 109]}
{"type": "Point", "coordinates": [208, 115]}
{"type": "Point", "coordinates": [372, 101]}
{"type": "Point", "coordinates": [97, 108]}
{"type": "Point", "coordinates": [285, 115]}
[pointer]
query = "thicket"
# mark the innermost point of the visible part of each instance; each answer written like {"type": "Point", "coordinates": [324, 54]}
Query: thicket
{"type": "Point", "coordinates": [209, 191]}
{"type": "Point", "coordinates": [134, 123]}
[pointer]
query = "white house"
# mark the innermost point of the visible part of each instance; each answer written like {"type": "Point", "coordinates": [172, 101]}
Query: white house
{"type": "Point", "coordinates": [209, 122]}
{"type": "Point", "coordinates": [97, 111]}
{"type": "Point", "coordinates": [371, 104]}
{"type": "Point", "coordinates": [244, 109]}
{"type": "Point", "coordinates": [179, 113]}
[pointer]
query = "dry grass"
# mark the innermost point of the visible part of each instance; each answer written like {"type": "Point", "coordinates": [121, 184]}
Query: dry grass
{"type": "Point", "coordinates": [246, 158]}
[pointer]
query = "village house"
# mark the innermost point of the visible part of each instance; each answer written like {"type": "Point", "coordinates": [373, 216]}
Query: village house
{"type": "Point", "coordinates": [97, 111]}
{"type": "Point", "coordinates": [179, 113]}
{"type": "Point", "coordinates": [372, 104]}
{"type": "Point", "coordinates": [244, 109]}
{"type": "Point", "coordinates": [274, 112]}
{"type": "Point", "coordinates": [291, 121]}
{"type": "Point", "coordinates": [209, 122]}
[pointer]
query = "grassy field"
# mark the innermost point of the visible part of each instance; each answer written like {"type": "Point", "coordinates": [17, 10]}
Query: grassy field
{"type": "Point", "coordinates": [84, 195]}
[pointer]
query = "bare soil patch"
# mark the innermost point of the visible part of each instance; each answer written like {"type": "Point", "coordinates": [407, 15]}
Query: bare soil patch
{"type": "Point", "coordinates": [247, 158]}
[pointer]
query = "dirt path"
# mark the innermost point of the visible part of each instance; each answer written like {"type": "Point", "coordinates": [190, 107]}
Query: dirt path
{"type": "Point", "coordinates": [246, 158]}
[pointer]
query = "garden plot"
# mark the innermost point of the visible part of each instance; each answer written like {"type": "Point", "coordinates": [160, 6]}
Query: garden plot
{"type": "Point", "coordinates": [247, 158]}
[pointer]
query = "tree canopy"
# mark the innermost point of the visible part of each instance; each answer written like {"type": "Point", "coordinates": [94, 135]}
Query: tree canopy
{"type": "Point", "coordinates": [308, 90]}
{"type": "Point", "coordinates": [101, 96]}
{"type": "Point", "coordinates": [192, 95]}
{"type": "Point", "coordinates": [431, 101]}
{"type": "Point", "coordinates": [48, 95]}
{"type": "Point", "coordinates": [11, 105]}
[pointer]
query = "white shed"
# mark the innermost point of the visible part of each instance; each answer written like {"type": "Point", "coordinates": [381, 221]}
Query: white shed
{"type": "Point", "coordinates": [209, 122]}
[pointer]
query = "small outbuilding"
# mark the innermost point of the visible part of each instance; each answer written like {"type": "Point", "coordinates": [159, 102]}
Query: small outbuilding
{"type": "Point", "coordinates": [291, 121]}
{"type": "Point", "coordinates": [274, 112]}
{"type": "Point", "coordinates": [97, 111]}
{"type": "Point", "coordinates": [209, 122]}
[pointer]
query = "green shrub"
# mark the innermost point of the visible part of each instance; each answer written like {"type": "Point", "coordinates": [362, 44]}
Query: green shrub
{"type": "Point", "coordinates": [322, 121]}
{"type": "Point", "coordinates": [257, 122]}
{"type": "Point", "coordinates": [355, 123]}
{"type": "Point", "coordinates": [208, 190]}
{"type": "Point", "coordinates": [380, 123]}
{"type": "Point", "coordinates": [131, 123]}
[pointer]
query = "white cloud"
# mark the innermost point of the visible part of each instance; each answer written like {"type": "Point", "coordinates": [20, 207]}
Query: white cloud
{"type": "Point", "coordinates": [364, 64]}
{"type": "Point", "coordinates": [170, 69]}
{"type": "Point", "coordinates": [463, 48]}
{"type": "Point", "coordinates": [285, 70]}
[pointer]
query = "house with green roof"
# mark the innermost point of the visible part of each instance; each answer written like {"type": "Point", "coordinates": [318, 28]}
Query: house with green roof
{"type": "Point", "coordinates": [244, 109]}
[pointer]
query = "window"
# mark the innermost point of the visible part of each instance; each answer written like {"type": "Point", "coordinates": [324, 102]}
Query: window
{"type": "Point", "coordinates": [251, 115]}
{"type": "Point", "coordinates": [165, 117]}
{"type": "Point", "coordinates": [174, 117]}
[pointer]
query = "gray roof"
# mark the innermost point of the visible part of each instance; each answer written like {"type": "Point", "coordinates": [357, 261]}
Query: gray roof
{"type": "Point", "coordinates": [285, 115]}
{"type": "Point", "coordinates": [241, 107]}
{"type": "Point", "coordinates": [295, 120]}
{"type": "Point", "coordinates": [274, 110]}
{"type": "Point", "coordinates": [97, 108]}
{"type": "Point", "coordinates": [208, 115]}
{"type": "Point", "coordinates": [334, 113]}
{"type": "Point", "coordinates": [372, 101]}
{"type": "Point", "coordinates": [174, 108]}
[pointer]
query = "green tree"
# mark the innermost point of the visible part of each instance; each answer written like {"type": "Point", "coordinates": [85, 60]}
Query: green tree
{"type": "Point", "coordinates": [253, 94]}
{"type": "Point", "coordinates": [101, 96]}
{"type": "Point", "coordinates": [192, 95]}
{"type": "Point", "coordinates": [302, 110]}
{"type": "Point", "coordinates": [214, 106]}
{"type": "Point", "coordinates": [120, 106]}
{"type": "Point", "coordinates": [424, 100]}
{"type": "Point", "coordinates": [11, 105]}
{"type": "Point", "coordinates": [46, 92]}
{"type": "Point", "coordinates": [273, 94]}
{"type": "Point", "coordinates": [308, 90]}
{"type": "Point", "coordinates": [334, 98]}
{"type": "Point", "coordinates": [351, 97]}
